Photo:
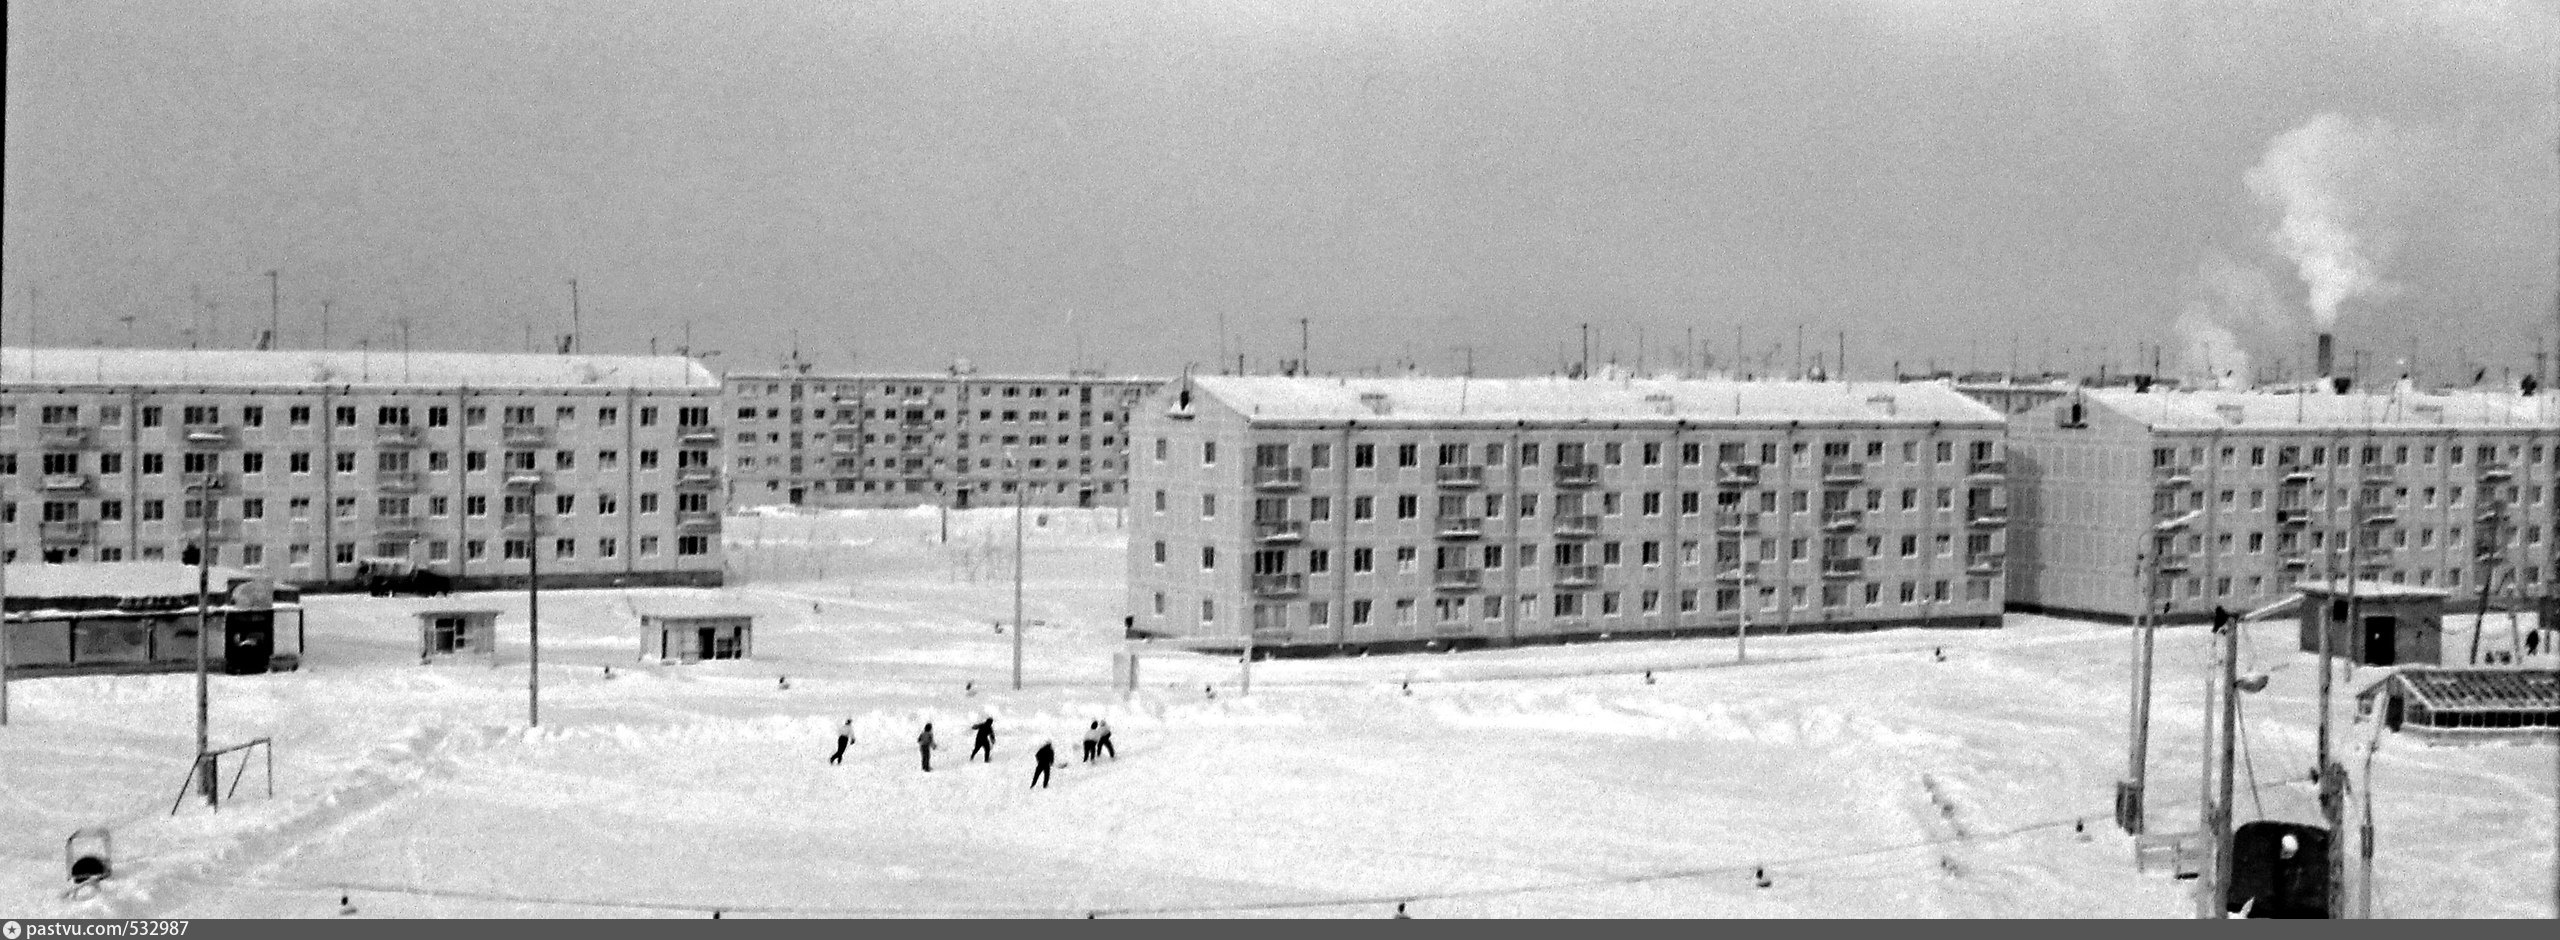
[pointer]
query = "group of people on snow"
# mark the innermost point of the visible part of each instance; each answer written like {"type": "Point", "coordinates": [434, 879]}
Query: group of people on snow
{"type": "Point", "coordinates": [982, 747]}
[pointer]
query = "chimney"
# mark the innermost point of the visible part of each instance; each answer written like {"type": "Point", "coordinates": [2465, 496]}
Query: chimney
{"type": "Point", "coordinates": [2322, 360]}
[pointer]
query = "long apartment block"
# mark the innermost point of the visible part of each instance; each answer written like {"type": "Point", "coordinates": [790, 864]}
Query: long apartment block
{"type": "Point", "coordinates": [303, 465]}
{"type": "Point", "coordinates": [897, 440]}
{"type": "Point", "coordinates": [1328, 514]}
{"type": "Point", "coordinates": [2231, 498]}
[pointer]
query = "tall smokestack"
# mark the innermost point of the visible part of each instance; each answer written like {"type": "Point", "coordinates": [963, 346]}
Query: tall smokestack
{"type": "Point", "coordinates": [2322, 360]}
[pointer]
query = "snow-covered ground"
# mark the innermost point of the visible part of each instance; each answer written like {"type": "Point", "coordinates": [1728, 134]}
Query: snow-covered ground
{"type": "Point", "coordinates": [1867, 778]}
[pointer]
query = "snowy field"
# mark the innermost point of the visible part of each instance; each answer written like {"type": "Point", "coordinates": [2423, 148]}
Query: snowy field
{"type": "Point", "coordinates": [1867, 778]}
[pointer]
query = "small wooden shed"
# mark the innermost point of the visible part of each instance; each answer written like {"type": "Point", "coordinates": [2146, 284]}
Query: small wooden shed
{"type": "Point", "coordinates": [690, 637]}
{"type": "Point", "coordinates": [2395, 623]}
{"type": "Point", "coordinates": [449, 633]}
{"type": "Point", "coordinates": [2450, 703]}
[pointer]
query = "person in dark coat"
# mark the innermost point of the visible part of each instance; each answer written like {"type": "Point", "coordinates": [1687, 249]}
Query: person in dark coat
{"type": "Point", "coordinates": [985, 742]}
{"type": "Point", "coordinates": [1102, 741]}
{"type": "Point", "coordinates": [924, 746]}
{"type": "Point", "coordinates": [1041, 761]}
{"type": "Point", "coordinates": [844, 738]}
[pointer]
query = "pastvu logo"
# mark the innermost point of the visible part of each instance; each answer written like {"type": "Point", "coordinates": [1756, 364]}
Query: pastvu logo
{"type": "Point", "coordinates": [9, 930]}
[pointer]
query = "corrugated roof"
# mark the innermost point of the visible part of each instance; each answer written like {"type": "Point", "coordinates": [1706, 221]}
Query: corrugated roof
{"type": "Point", "coordinates": [2209, 410]}
{"type": "Point", "coordinates": [2483, 689]}
{"type": "Point", "coordinates": [377, 368]}
{"type": "Point", "coordinates": [1549, 400]}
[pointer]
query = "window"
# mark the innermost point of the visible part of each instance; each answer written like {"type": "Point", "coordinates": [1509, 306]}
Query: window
{"type": "Point", "coordinates": [1363, 508]}
{"type": "Point", "coordinates": [1208, 453]}
{"type": "Point", "coordinates": [1408, 455]}
{"type": "Point", "coordinates": [1363, 560]}
{"type": "Point", "coordinates": [1208, 505]}
{"type": "Point", "coordinates": [1208, 558]}
{"type": "Point", "coordinates": [1408, 506]}
{"type": "Point", "coordinates": [1364, 456]}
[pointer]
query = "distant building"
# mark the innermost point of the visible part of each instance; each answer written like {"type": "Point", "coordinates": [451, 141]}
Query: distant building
{"type": "Point", "coordinates": [924, 439]}
{"type": "Point", "coordinates": [315, 462]}
{"type": "Point", "coordinates": [1324, 513]}
{"type": "Point", "coordinates": [2451, 487]}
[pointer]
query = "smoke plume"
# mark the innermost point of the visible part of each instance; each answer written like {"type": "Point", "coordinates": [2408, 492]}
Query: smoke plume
{"type": "Point", "coordinates": [2343, 189]}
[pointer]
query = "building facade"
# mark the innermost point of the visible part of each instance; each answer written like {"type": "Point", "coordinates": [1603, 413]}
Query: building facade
{"type": "Point", "coordinates": [895, 440]}
{"type": "Point", "coordinates": [1324, 514]}
{"type": "Point", "coordinates": [2272, 490]}
{"type": "Point", "coordinates": [303, 466]}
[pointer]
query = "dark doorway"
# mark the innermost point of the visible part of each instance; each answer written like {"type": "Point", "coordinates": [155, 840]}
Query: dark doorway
{"type": "Point", "coordinates": [2381, 646]}
{"type": "Point", "coordinates": [704, 635]}
{"type": "Point", "coordinates": [1084, 498]}
{"type": "Point", "coordinates": [248, 642]}
{"type": "Point", "coordinates": [960, 498]}
{"type": "Point", "coordinates": [796, 493]}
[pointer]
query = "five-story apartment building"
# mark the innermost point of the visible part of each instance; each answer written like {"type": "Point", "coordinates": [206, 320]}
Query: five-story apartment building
{"type": "Point", "coordinates": [1326, 513]}
{"type": "Point", "coordinates": [303, 465]}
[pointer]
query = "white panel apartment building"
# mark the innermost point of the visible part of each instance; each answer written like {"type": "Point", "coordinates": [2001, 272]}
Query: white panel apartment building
{"type": "Point", "coordinates": [893, 440]}
{"type": "Point", "coordinates": [2453, 485]}
{"type": "Point", "coordinates": [314, 461]}
{"type": "Point", "coordinates": [1328, 514]}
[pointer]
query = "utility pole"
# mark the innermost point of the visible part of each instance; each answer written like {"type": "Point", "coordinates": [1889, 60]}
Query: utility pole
{"type": "Point", "coordinates": [1021, 495]}
{"type": "Point", "coordinates": [530, 484]}
{"type": "Point", "coordinates": [203, 488]}
{"type": "Point", "coordinates": [1586, 351]}
{"type": "Point", "coordinates": [4, 616]}
{"type": "Point", "coordinates": [2216, 902]}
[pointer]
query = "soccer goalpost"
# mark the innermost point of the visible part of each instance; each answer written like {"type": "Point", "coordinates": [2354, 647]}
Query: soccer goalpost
{"type": "Point", "coordinates": [206, 772]}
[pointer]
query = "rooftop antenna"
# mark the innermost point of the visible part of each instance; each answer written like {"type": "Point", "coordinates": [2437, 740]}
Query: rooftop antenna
{"type": "Point", "coordinates": [1304, 368]}
{"type": "Point", "coordinates": [275, 315]}
{"type": "Point", "coordinates": [1584, 371]}
{"type": "Point", "coordinates": [1222, 340]}
{"type": "Point", "coordinates": [576, 343]}
{"type": "Point", "coordinates": [324, 321]}
{"type": "Point", "coordinates": [404, 348]}
{"type": "Point", "coordinates": [1841, 365]}
{"type": "Point", "coordinates": [1799, 374]}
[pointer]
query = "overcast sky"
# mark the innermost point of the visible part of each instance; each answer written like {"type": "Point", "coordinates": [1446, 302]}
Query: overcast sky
{"type": "Point", "coordinates": [905, 181]}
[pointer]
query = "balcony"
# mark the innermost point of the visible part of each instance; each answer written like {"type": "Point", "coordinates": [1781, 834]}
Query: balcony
{"type": "Point", "coordinates": [66, 483]}
{"type": "Point", "coordinates": [1458, 579]}
{"type": "Point", "coordinates": [210, 482]}
{"type": "Point", "coordinates": [1461, 477]}
{"type": "Point", "coordinates": [396, 481]}
{"type": "Point", "coordinates": [915, 447]}
{"type": "Point", "coordinates": [1279, 585]}
{"type": "Point", "coordinates": [218, 530]}
{"type": "Point", "coordinates": [1988, 517]}
{"type": "Point", "coordinates": [395, 526]}
{"type": "Point", "coordinates": [1730, 522]}
{"type": "Point", "coordinates": [2293, 517]}
{"type": "Point", "coordinates": [1737, 474]}
{"type": "Point", "coordinates": [208, 435]}
{"type": "Point", "coordinates": [1843, 472]}
{"type": "Point", "coordinates": [2495, 473]}
{"type": "Point", "coordinates": [701, 434]}
{"type": "Point", "coordinates": [1279, 531]}
{"type": "Point", "coordinates": [2295, 562]}
{"type": "Point", "coordinates": [1577, 575]}
{"type": "Point", "coordinates": [1988, 471]}
{"type": "Point", "coordinates": [2380, 475]}
{"type": "Point", "coordinates": [397, 435]}
{"type": "Point", "coordinates": [1279, 478]}
{"type": "Point", "coordinates": [1577, 474]}
{"type": "Point", "coordinates": [535, 435]}
{"type": "Point", "coordinates": [2297, 473]}
{"type": "Point", "coordinates": [1987, 563]}
{"type": "Point", "coordinates": [534, 480]}
{"type": "Point", "coordinates": [62, 436]}
{"type": "Point", "coordinates": [1461, 527]}
{"type": "Point", "coordinates": [67, 533]}
{"type": "Point", "coordinates": [2173, 563]}
{"type": "Point", "coordinates": [1843, 520]}
{"type": "Point", "coordinates": [698, 521]}
{"type": "Point", "coordinates": [1740, 574]}
{"type": "Point", "coordinates": [2170, 478]}
{"type": "Point", "coordinates": [697, 478]}
{"type": "Point", "coordinates": [1844, 568]}
{"type": "Point", "coordinates": [1577, 527]}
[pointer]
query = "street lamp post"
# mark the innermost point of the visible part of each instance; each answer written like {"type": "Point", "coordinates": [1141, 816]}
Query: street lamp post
{"type": "Point", "coordinates": [203, 488]}
{"type": "Point", "coordinates": [2129, 792]}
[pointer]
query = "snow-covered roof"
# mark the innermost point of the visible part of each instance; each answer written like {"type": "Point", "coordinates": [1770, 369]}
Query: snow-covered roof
{"type": "Point", "coordinates": [1551, 400]}
{"type": "Point", "coordinates": [2454, 689]}
{"type": "Point", "coordinates": [379, 367]}
{"type": "Point", "coordinates": [2210, 410]}
{"type": "Point", "coordinates": [2371, 590]}
{"type": "Point", "coordinates": [112, 579]}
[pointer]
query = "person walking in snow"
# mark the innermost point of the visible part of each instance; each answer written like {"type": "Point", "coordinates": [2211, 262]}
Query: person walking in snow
{"type": "Point", "coordinates": [924, 746]}
{"type": "Point", "coordinates": [1102, 741]}
{"type": "Point", "coordinates": [844, 738]}
{"type": "Point", "coordinates": [1041, 761]}
{"type": "Point", "coordinates": [1092, 741]}
{"type": "Point", "coordinates": [985, 742]}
